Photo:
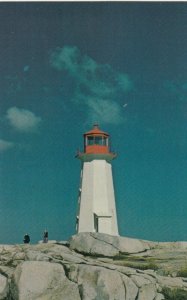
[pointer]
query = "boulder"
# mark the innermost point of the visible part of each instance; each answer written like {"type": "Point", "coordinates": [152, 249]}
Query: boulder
{"type": "Point", "coordinates": [91, 244]}
{"type": "Point", "coordinates": [42, 280]}
{"type": "Point", "coordinates": [4, 288]}
{"type": "Point", "coordinates": [147, 292]}
{"type": "Point", "coordinates": [130, 288]}
{"type": "Point", "coordinates": [100, 283]}
{"type": "Point", "coordinates": [100, 244]}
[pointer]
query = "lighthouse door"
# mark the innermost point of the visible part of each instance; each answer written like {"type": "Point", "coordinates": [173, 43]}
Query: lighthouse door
{"type": "Point", "coordinates": [96, 223]}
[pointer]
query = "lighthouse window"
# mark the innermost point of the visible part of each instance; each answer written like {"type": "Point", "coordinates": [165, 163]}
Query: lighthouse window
{"type": "Point", "coordinates": [98, 140]}
{"type": "Point", "coordinates": [90, 140]}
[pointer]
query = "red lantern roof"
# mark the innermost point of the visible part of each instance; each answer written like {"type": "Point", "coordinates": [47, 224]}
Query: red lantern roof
{"type": "Point", "coordinates": [96, 131]}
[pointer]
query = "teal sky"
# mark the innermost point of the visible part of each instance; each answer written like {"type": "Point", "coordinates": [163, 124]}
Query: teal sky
{"type": "Point", "coordinates": [65, 66]}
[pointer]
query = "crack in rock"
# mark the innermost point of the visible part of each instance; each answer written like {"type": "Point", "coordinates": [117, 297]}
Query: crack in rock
{"type": "Point", "coordinates": [103, 241]}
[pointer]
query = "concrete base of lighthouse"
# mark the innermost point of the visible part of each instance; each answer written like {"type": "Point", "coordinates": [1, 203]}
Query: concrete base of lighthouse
{"type": "Point", "coordinates": [97, 210]}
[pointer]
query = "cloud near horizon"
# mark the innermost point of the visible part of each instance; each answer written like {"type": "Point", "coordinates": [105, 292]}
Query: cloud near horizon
{"type": "Point", "coordinates": [96, 85]}
{"type": "Point", "coordinates": [5, 145]}
{"type": "Point", "coordinates": [22, 120]}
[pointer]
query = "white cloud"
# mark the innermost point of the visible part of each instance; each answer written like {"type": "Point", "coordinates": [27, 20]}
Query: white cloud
{"type": "Point", "coordinates": [22, 119]}
{"type": "Point", "coordinates": [104, 110]}
{"type": "Point", "coordinates": [124, 82]}
{"type": "Point", "coordinates": [66, 58]}
{"type": "Point", "coordinates": [5, 145]}
{"type": "Point", "coordinates": [97, 86]}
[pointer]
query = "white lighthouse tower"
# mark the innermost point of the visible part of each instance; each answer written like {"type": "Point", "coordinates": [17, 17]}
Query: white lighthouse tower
{"type": "Point", "coordinates": [96, 202]}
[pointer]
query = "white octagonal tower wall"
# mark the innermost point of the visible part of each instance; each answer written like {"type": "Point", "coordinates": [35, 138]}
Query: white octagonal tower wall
{"type": "Point", "coordinates": [97, 209]}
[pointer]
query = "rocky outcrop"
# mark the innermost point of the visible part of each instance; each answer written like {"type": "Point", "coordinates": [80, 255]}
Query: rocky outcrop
{"type": "Point", "coordinates": [100, 244]}
{"type": "Point", "coordinates": [93, 267]}
{"type": "Point", "coordinates": [3, 286]}
{"type": "Point", "coordinates": [42, 280]}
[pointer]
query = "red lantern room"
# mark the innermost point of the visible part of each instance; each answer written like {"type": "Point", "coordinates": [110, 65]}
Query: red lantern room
{"type": "Point", "coordinates": [96, 145]}
{"type": "Point", "coordinates": [96, 141]}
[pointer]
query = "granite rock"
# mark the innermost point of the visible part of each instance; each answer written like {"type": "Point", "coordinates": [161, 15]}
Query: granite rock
{"type": "Point", "coordinates": [92, 266]}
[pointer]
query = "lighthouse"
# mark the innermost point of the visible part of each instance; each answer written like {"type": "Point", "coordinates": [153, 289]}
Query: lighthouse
{"type": "Point", "coordinates": [96, 200]}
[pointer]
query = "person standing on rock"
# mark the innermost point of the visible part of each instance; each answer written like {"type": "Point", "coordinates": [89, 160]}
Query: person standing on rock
{"type": "Point", "coordinates": [45, 236]}
{"type": "Point", "coordinates": [26, 239]}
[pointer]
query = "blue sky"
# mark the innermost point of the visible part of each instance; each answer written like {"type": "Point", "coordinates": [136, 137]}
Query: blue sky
{"type": "Point", "coordinates": [65, 66]}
